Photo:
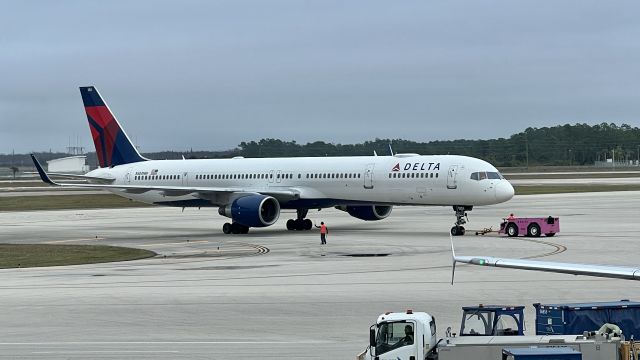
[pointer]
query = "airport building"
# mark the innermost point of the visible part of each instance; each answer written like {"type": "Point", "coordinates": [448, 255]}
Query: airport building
{"type": "Point", "coordinates": [72, 164]}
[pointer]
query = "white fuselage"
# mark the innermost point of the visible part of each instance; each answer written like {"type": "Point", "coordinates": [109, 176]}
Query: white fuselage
{"type": "Point", "coordinates": [321, 181]}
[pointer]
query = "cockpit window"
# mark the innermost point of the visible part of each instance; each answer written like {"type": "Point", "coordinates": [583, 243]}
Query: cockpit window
{"type": "Point", "coordinates": [393, 335]}
{"type": "Point", "coordinates": [481, 175]}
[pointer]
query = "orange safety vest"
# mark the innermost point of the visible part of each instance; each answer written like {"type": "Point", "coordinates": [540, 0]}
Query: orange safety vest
{"type": "Point", "coordinates": [323, 229]}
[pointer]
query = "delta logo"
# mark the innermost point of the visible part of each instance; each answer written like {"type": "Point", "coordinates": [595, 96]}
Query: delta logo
{"type": "Point", "coordinates": [418, 166]}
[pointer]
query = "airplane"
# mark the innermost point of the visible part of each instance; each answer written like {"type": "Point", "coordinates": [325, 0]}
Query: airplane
{"type": "Point", "coordinates": [603, 271]}
{"type": "Point", "coordinates": [253, 191]}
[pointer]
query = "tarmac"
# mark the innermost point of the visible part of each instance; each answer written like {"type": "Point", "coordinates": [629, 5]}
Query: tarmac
{"type": "Point", "coordinates": [276, 294]}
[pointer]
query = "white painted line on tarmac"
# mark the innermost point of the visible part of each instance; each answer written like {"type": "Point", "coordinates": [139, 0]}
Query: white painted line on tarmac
{"type": "Point", "coordinates": [105, 352]}
{"type": "Point", "coordinates": [73, 240]}
{"type": "Point", "coordinates": [221, 342]}
{"type": "Point", "coordinates": [178, 243]}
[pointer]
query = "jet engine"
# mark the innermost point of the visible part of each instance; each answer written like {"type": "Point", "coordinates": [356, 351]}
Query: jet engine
{"type": "Point", "coordinates": [368, 212]}
{"type": "Point", "coordinates": [253, 210]}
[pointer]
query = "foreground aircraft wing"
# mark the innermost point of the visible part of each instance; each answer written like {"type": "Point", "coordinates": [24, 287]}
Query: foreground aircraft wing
{"type": "Point", "coordinates": [604, 271]}
{"type": "Point", "coordinates": [209, 193]}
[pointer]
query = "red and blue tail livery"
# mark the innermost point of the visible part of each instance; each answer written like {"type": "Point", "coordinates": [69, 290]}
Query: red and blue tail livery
{"type": "Point", "coordinates": [113, 146]}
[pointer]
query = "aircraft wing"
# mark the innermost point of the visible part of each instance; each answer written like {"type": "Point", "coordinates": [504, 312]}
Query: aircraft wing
{"type": "Point", "coordinates": [96, 179]}
{"type": "Point", "coordinates": [218, 195]}
{"type": "Point", "coordinates": [604, 271]}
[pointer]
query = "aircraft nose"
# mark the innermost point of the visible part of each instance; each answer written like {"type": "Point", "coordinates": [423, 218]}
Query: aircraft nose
{"type": "Point", "coordinates": [504, 191]}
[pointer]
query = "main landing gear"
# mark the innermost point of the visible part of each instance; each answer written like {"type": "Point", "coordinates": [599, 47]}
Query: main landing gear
{"type": "Point", "coordinates": [461, 219]}
{"type": "Point", "coordinates": [300, 223]}
{"type": "Point", "coordinates": [234, 228]}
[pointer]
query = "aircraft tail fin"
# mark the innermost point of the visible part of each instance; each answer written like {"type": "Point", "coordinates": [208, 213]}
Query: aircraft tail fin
{"type": "Point", "coordinates": [113, 146]}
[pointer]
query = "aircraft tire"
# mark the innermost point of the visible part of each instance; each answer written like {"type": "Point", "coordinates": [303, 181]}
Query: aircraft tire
{"type": "Point", "coordinates": [291, 224]}
{"type": "Point", "coordinates": [308, 224]}
{"type": "Point", "coordinates": [226, 228]}
{"type": "Point", "coordinates": [239, 229]}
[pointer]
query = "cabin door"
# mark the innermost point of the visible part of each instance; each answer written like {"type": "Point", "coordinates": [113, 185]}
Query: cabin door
{"type": "Point", "coordinates": [368, 176]}
{"type": "Point", "coordinates": [451, 177]}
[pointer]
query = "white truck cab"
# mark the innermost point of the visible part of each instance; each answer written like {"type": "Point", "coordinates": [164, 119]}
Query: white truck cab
{"type": "Point", "coordinates": [401, 336]}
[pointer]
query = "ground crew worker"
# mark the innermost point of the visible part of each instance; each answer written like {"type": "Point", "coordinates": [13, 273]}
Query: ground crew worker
{"type": "Point", "coordinates": [323, 233]}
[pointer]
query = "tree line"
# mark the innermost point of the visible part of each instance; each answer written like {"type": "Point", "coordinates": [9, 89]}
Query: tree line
{"type": "Point", "coordinates": [578, 144]}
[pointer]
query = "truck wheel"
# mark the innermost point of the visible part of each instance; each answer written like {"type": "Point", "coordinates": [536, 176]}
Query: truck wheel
{"type": "Point", "coordinates": [549, 234]}
{"type": "Point", "coordinates": [512, 230]}
{"type": "Point", "coordinates": [533, 230]}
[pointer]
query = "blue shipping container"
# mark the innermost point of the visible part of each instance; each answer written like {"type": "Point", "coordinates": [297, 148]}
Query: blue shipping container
{"type": "Point", "coordinates": [576, 318]}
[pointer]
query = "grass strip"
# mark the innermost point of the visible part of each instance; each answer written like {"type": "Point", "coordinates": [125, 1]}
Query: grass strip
{"type": "Point", "coordinates": [559, 189]}
{"type": "Point", "coordinates": [60, 202]}
{"type": "Point", "coordinates": [35, 255]}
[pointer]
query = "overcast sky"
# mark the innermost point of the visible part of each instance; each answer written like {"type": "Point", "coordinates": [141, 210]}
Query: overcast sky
{"type": "Point", "coordinates": [210, 74]}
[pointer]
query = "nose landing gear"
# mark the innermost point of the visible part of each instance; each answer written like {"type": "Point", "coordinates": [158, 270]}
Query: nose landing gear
{"type": "Point", "coordinates": [300, 223]}
{"type": "Point", "coordinates": [461, 219]}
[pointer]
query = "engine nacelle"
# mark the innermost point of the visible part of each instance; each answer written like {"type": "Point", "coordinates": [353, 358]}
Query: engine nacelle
{"type": "Point", "coordinates": [368, 212]}
{"type": "Point", "coordinates": [253, 210]}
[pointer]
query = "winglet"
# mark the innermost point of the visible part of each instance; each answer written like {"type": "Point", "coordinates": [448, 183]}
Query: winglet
{"type": "Point", "coordinates": [453, 260]}
{"type": "Point", "coordinates": [390, 150]}
{"type": "Point", "coordinates": [43, 174]}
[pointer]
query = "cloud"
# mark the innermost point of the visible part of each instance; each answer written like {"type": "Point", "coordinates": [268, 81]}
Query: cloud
{"type": "Point", "coordinates": [208, 75]}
